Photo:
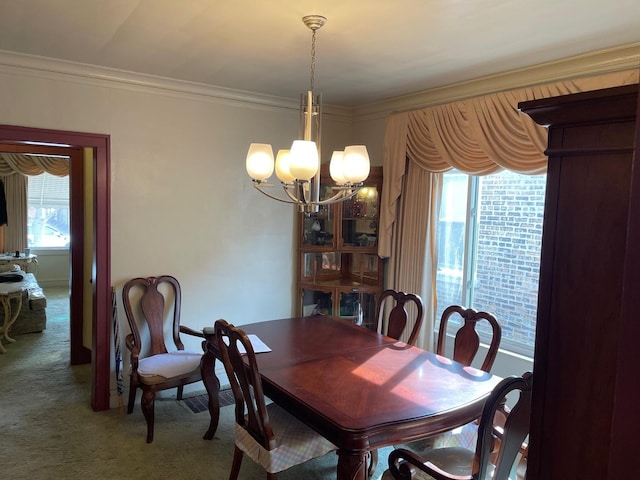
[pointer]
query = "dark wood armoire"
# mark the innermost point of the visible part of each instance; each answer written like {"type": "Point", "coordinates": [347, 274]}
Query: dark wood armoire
{"type": "Point", "coordinates": [586, 393]}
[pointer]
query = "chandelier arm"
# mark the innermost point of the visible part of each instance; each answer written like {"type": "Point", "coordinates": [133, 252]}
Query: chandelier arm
{"type": "Point", "coordinates": [296, 199]}
{"type": "Point", "coordinates": [273, 197]}
{"type": "Point", "coordinates": [344, 194]}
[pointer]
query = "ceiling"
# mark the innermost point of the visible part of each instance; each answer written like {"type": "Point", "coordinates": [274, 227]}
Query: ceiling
{"type": "Point", "coordinates": [369, 50]}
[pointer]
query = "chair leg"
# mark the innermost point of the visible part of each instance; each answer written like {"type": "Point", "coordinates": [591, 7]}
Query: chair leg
{"type": "Point", "coordinates": [373, 462]}
{"type": "Point", "coordinates": [132, 397]}
{"type": "Point", "coordinates": [180, 389]}
{"type": "Point", "coordinates": [235, 466]}
{"type": "Point", "coordinates": [214, 406]}
{"type": "Point", "coordinates": [148, 399]}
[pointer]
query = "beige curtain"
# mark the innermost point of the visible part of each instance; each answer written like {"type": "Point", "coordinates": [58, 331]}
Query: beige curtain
{"type": "Point", "coordinates": [414, 245]}
{"type": "Point", "coordinates": [14, 168]}
{"type": "Point", "coordinates": [15, 187]}
{"type": "Point", "coordinates": [478, 136]}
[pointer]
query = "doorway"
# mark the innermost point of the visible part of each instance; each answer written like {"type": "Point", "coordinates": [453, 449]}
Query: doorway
{"type": "Point", "coordinates": [97, 254]}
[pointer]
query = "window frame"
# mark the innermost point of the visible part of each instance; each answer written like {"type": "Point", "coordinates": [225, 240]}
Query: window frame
{"type": "Point", "coordinates": [470, 263]}
{"type": "Point", "coordinates": [56, 203]}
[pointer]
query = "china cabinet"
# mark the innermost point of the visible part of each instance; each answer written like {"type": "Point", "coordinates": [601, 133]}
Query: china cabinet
{"type": "Point", "coordinates": [339, 271]}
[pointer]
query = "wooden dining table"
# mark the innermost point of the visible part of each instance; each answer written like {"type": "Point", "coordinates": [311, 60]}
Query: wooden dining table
{"type": "Point", "coordinates": [359, 389]}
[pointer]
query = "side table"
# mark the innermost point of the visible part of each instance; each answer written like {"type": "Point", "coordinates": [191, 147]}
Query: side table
{"type": "Point", "coordinates": [28, 263]}
{"type": "Point", "coordinates": [11, 292]}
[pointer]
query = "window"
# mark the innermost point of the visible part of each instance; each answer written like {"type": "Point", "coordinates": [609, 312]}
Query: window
{"type": "Point", "coordinates": [48, 211]}
{"type": "Point", "coordinates": [489, 240]}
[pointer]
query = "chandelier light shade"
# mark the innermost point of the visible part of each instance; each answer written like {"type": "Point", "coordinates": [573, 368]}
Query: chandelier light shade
{"type": "Point", "coordinates": [260, 161]}
{"type": "Point", "coordinates": [303, 159]}
{"type": "Point", "coordinates": [283, 172]}
{"type": "Point", "coordinates": [355, 164]}
{"type": "Point", "coordinates": [336, 168]}
{"type": "Point", "coordinates": [298, 168]}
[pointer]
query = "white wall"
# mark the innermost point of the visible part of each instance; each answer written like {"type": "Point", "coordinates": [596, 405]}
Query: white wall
{"type": "Point", "coordinates": [53, 267]}
{"type": "Point", "coordinates": [181, 202]}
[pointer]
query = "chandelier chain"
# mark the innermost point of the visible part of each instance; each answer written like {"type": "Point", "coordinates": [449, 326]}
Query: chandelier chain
{"type": "Point", "coordinates": [313, 58]}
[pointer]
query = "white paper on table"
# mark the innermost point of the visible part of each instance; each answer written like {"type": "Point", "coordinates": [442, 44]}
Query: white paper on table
{"type": "Point", "coordinates": [258, 345]}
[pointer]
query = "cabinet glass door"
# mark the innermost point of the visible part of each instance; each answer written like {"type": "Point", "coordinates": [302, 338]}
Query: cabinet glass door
{"type": "Point", "coordinates": [359, 307]}
{"type": "Point", "coordinates": [317, 228]}
{"type": "Point", "coordinates": [321, 266]}
{"type": "Point", "coordinates": [363, 268]}
{"type": "Point", "coordinates": [316, 302]}
{"type": "Point", "coordinates": [360, 218]}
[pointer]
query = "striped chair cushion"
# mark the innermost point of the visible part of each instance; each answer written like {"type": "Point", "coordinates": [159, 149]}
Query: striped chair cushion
{"type": "Point", "coordinates": [297, 443]}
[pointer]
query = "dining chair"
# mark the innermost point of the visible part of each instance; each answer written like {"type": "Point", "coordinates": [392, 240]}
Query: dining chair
{"type": "Point", "coordinates": [500, 450]}
{"type": "Point", "coordinates": [466, 342]}
{"type": "Point", "coordinates": [148, 304]}
{"type": "Point", "coordinates": [267, 433]}
{"type": "Point", "coordinates": [393, 318]}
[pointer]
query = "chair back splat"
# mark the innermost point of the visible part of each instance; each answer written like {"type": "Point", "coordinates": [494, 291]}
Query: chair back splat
{"type": "Point", "coordinates": [397, 316]}
{"type": "Point", "coordinates": [466, 341]}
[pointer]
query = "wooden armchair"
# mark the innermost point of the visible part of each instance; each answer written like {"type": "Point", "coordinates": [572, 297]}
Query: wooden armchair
{"type": "Point", "coordinates": [149, 301]}
{"type": "Point", "coordinates": [500, 452]}
{"type": "Point", "coordinates": [268, 434]}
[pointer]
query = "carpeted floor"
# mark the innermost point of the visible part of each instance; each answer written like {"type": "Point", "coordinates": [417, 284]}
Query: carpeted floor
{"type": "Point", "coordinates": [48, 430]}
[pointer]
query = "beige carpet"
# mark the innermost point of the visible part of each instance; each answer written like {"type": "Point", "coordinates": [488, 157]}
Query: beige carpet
{"type": "Point", "coordinates": [48, 430]}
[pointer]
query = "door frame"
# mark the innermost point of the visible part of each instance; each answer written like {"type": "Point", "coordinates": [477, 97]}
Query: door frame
{"type": "Point", "coordinates": [100, 353]}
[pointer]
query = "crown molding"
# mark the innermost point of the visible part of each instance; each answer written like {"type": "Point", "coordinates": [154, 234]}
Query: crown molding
{"type": "Point", "coordinates": [611, 60]}
{"type": "Point", "coordinates": [44, 67]}
{"type": "Point", "coordinates": [595, 63]}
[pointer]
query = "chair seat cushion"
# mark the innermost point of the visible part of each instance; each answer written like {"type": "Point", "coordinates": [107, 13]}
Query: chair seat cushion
{"type": "Point", "coordinates": [297, 442]}
{"type": "Point", "coordinates": [169, 365]}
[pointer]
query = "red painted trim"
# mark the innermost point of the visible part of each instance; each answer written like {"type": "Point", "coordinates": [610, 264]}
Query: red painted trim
{"type": "Point", "coordinates": [79, 353]}
{"type": "Point", "coordinates": [101, 344]}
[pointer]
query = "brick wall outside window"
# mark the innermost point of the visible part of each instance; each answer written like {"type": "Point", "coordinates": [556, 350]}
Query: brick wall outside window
{"type": "Point", "coordinates": [508, 256]}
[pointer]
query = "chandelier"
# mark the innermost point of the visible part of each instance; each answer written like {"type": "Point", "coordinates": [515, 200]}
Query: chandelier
{"type": "Point", "coordinates": [298, 168]}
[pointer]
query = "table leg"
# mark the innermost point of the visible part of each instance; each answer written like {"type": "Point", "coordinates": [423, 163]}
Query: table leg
{"type": "Point", "coordinates": [352, 465]}
{"type": "Point", "coordinates": [212, 384]}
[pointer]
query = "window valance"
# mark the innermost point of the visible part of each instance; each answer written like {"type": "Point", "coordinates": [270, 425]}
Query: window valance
{"type": "Point", "coordinates": [478, 136]}
{"type": "Point", "coordinates": [13, 236]}
{"type": "Point", "coordinates": [11, 163]}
